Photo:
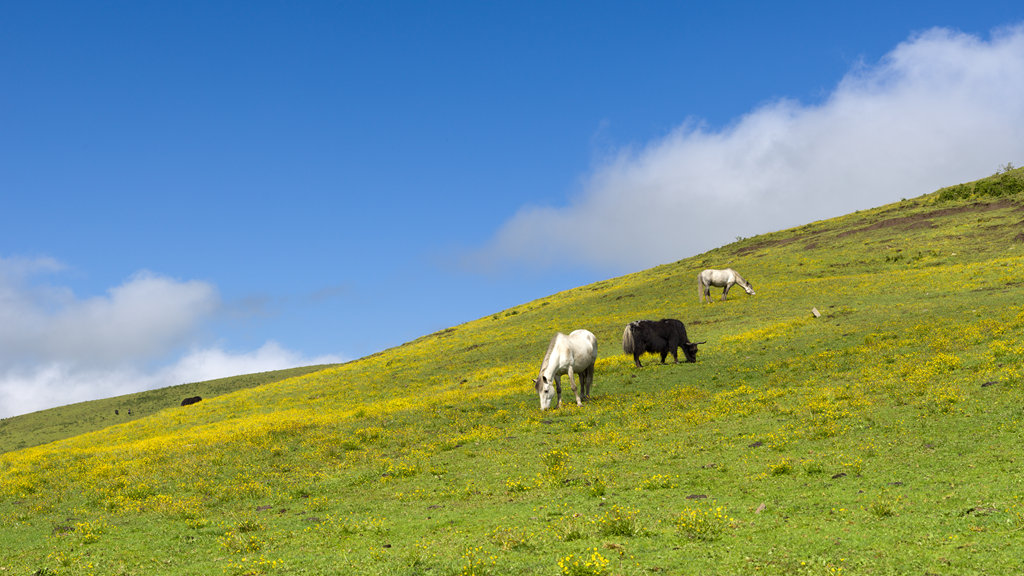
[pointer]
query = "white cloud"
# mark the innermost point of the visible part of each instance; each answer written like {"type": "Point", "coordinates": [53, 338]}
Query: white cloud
{"type": "Point", "coordinates": [142, 318]}
{"type": "Point", "coordinates": [211, 363]}
{"type": "Point", "coordinates": [56, 348]}
{"type": "Point", "coordinates": [24, 390]}
{"type": "Point", "coordinates": [940, 109]}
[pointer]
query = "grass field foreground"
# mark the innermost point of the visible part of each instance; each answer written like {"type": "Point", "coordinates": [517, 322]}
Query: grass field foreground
{"type": "Point", "coordinates": [883, 437]}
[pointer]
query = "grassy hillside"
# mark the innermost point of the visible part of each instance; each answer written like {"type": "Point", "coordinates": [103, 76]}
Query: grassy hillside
{"type": "Point", "coordinates": [45, 426]}
{"type": "Point", "coordinates": [881, 438]}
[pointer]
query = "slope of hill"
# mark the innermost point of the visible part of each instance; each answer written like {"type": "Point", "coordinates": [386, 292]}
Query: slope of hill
{"type": "Point", "coordinates": [44, 426]}
{"type": "Point", "coordinates": [882, 437]}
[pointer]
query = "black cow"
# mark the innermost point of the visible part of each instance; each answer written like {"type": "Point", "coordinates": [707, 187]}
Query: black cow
{"type": "Point", "coordinates": [191, 400]}
{"type": "Point", "coordinates": [661, 337]}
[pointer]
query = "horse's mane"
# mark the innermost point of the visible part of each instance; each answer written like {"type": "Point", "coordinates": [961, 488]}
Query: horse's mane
{"type": "Point", "coordinates": [547, 355]}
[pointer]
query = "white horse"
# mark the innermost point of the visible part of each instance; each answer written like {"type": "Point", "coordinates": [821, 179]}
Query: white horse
{"type": "Point", "coordinates": [572, 354]}
{"type": "Point", "coordinates": [722, 279]}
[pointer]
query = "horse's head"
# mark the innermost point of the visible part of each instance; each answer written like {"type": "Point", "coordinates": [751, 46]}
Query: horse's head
{"type": "Point", "coordinates": [749, 288]}
{"type": "Point", "coordinates": [545, 390]}
{"type": "Point", "coordinates": [690, 350]}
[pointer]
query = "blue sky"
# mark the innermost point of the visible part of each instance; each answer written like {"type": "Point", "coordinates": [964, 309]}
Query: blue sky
{"type": "Point", "coordinates": [199, 189]}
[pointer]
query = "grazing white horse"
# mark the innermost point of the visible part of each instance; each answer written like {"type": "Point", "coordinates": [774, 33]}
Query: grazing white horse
{"type": "Point", "coordinates": [572, 354]}
{"type": "Point", "coordinates": [722, 279]}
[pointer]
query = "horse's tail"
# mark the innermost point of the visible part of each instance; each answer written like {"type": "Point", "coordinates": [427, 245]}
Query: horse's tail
{"type": "Point", "coordinates": [589, 370]}
{"type": "Point", "coordinates": [627, 339]}
{"type": "Point", "coordinates": [700, 286]}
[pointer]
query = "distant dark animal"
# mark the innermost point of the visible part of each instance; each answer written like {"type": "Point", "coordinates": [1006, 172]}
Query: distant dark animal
{"type": "Point", "coordinates": [191, 400]}
{"type": "Point", "coordinates": [662, 337]}
{"type": "Point", "coordinates": [723, 279]}
{"type": "Point", "coordinates": [572, 354]}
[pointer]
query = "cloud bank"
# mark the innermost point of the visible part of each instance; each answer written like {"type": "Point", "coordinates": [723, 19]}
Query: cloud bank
{"type": "Point", "coordinates": [941, 108]}
{"type": "Point", "coordinates": [56, 348]}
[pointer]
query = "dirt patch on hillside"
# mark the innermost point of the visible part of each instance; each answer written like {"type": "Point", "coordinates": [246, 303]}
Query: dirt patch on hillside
{"type": "Point", "coordinates": [919, 221]}
{"type": "Point", "coordinates": [912, 222]}
{"type": "Point", "coordinates": [754, 247]}
{"type": "Point", "coordinates": [924, 219]}
{"type": "Point", "coordinates": [977, 207]}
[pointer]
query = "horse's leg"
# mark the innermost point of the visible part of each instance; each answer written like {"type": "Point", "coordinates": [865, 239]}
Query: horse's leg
{"type": "Point", "coordinates": [572, 383]}
{"type": "Point", "coordinates": [558, 389]}
{"type": "Point", "coordinates": [725, 291]}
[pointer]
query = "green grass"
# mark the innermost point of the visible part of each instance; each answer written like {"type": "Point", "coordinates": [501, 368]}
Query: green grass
{"type": "Point", "coordinates": [881, 438]}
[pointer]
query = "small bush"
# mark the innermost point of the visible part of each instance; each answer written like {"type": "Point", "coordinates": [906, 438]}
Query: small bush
{"type": "Point", "coordinates": [784, 466]}
{"type": "Point", "coordinates": [658, 482]}
{"type": "Point", "coordinates": [510, 539]}
{"type": "Point", "coordinates": [568, 529]}
{"type": "Point", "coordinates": [1007, 183]}
{"type": "Point", "coordinates": [513, 485]}
{"type": "Point", "coordinates": [475, 564]}
{"type": "Point", "coordinates": [369, 434]}
{"type": "Point", "coordinates": [619, 522]}
{"type": "Point", "coordinates": [573, 565]}
{"type": "Point", "coordinates": [882, 508]}
{"type": "Point", "coordinates": [701, 524]}
{"type": "Point", "coordinates": [555, 458]}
